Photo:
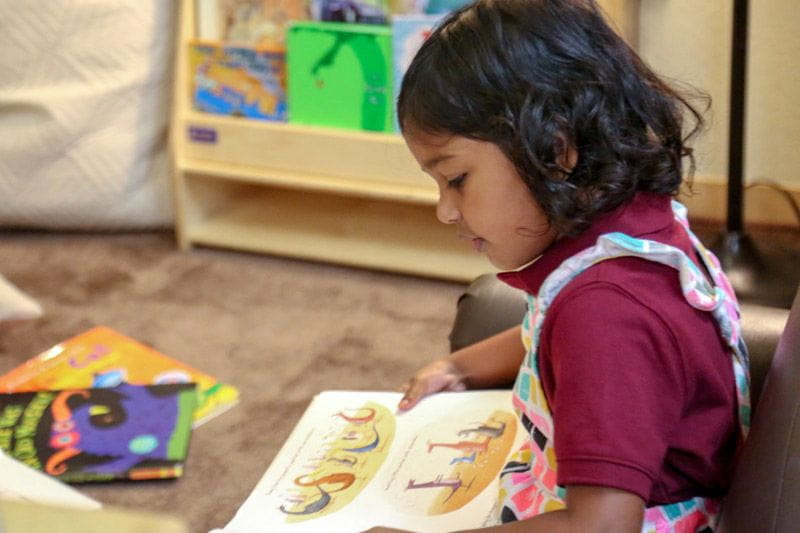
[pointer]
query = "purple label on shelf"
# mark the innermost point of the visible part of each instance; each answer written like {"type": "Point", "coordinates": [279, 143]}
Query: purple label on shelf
{"type": "Point", "coordinates": [200, 134]}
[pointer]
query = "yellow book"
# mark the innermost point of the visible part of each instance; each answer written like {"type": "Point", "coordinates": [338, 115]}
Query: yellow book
{"type": "Point", "coordinates": [103, 357]}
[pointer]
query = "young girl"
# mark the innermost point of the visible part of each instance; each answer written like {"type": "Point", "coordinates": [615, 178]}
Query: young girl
{"type": "Point", "coordinates": [557, 151]}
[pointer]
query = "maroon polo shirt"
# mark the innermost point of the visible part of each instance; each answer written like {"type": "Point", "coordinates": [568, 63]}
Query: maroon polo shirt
{"type": "Point", "coordinates": [639, 383]}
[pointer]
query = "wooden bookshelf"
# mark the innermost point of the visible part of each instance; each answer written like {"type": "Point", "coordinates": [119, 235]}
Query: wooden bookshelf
{"type": "Point", "coordinates": [347, 197]}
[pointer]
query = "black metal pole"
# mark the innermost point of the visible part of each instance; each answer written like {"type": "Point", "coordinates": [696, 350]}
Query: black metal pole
{"type": "Point", "coordinates": [767, 276]}
{"type": "Point", "coordinates": [737, 117]}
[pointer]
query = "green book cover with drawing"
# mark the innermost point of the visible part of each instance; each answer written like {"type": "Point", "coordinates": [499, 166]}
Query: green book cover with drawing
{"type": "Point", "coordinates": [99, 434]}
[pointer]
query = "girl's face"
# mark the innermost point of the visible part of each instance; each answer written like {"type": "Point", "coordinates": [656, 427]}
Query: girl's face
{"type": "Point", "coordinates": [481, 192]}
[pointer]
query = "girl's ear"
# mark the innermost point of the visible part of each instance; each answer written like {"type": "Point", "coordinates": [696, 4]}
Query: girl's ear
{"type": "Point", "coordinates": [566, 153]}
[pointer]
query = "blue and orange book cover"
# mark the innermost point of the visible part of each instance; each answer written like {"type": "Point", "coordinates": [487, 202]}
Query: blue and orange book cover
{"type": "Point", "coordinates": [100, 434]}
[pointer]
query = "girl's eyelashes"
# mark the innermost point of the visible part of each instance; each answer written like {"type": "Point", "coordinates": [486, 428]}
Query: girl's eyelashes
{"type": "Point", "coordinates": [457, 181]}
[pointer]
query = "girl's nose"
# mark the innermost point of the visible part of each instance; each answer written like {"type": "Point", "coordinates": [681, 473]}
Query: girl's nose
{"type": "Point", "coordinates": [446, 210]}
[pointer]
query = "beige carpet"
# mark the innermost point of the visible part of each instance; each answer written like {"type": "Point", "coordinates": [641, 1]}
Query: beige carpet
{"type": "Point", "coordinates": [279, 330]}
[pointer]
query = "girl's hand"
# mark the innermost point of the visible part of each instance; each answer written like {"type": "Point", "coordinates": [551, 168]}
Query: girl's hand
{"type": "Point", "coordinates": [441, 375]}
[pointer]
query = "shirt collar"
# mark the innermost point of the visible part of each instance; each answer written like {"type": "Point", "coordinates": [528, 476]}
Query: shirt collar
{"type": "Point", "coordinates": [645, 214]}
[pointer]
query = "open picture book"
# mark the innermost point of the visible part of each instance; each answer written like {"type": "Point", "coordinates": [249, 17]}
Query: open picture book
{"type": "Point", "coordinates": [353, 462]}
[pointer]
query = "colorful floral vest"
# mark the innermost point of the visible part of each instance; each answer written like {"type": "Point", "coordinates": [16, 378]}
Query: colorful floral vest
{"type": "Point", "coordinates": [528, 482]}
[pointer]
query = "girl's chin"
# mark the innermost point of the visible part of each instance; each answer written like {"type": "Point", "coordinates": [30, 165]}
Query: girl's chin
{"type": "Point", "coordinates": [502, 265]}
{"type": "Point", "coordinates": [508, 264]}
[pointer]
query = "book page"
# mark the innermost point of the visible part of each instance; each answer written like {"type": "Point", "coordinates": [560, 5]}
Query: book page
{"type": "Point", "coordinates": [20, 482]}
{"type": "Point", "coordinates": [28, 517]}
{"type": "Point", "coordinates": [353, 462]}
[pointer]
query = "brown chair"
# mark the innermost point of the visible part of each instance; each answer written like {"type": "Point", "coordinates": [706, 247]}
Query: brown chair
{"type": "Point", "coordinates": [765, 496]}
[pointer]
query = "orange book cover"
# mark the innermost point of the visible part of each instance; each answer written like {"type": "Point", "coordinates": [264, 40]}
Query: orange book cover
{"type": "Point", "coordinates": [103, 357]}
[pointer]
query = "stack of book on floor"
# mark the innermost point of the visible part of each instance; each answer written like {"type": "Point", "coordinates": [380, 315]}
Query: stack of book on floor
{"type": "Point", "coordinates": [101, 406]}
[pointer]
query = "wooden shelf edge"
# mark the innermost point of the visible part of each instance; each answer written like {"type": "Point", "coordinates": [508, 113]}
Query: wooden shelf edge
{"type": "Point", "coordinates": [447, 267]}
{"type": "Point", "coordinates": [250, 147]}
{"type": "Point", "coordinates": [376, 189]}
{"type": "Point", "coordinates": [193, 116]}
{"type": "Point", "coordinates": [358, 233]}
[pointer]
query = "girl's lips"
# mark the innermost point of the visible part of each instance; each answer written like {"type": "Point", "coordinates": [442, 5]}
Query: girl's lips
{"type": "Point", "coordinates": [476, 242]}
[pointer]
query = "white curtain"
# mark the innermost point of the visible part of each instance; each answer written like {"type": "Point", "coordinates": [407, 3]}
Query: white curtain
{"type": "Point", "coordinates": [84, 111]}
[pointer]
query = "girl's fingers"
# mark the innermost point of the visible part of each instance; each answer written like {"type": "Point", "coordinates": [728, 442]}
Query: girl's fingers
{"type": "Point", "coordinates": [457, 385]}
{"type": "Point", "coordinates": [437, 376]}
{"type": "Point", "coordinates": [414, 391]}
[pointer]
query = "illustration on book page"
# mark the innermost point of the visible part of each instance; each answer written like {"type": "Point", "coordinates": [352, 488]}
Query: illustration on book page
{"type": "Point", "coordinates": [353, 462]}
{"type": "Point", "coordinates": [336, 470]}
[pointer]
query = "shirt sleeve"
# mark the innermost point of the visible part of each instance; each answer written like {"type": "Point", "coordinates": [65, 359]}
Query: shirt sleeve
{"type": "Point", "coordinates": [612, 372]}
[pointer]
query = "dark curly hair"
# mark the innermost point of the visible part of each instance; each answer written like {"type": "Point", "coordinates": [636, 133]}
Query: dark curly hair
{"type": "Point", "coordinates": [532, 75]}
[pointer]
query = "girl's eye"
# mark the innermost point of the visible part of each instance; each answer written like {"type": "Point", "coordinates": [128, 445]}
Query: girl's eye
{"type": "Point", "coordinates": [457, 181]}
